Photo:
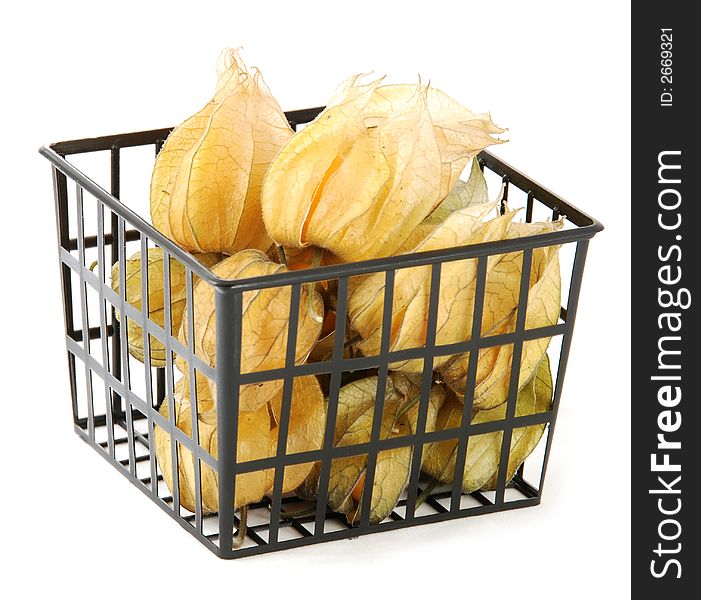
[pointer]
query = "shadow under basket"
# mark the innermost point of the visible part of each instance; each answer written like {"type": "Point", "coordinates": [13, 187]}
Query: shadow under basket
{"type": "Point", "coordinates": [116, 397]}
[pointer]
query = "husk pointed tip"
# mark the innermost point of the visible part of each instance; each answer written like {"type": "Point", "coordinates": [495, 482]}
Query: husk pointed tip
{"type": "Point", "coordinates": [416, 103]}
{"type": "Point", "coordinates": [358, 77]}
{"type": "Point", "coordinates": [230, 58]}
{"type": "Point", "coordinates": [258, 81]}
{"type": "Point", "coordinates": [494, 128]}
{"type": "Point", "coordinates": [355, 83]}
{"type": "Point", "coordinates": [232, 72]}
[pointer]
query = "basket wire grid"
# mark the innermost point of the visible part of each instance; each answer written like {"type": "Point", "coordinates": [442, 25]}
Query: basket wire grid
{"type": "Point", "coordinates": [122, 428]}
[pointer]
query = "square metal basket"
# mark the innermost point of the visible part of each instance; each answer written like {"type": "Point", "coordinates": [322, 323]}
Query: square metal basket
{"type": "Point", "coordinates": [115, 399]}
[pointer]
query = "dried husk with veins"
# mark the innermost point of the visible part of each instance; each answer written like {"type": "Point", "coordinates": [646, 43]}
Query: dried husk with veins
{"type": "Point", "coordinates": [265, 324]}
{"type": "Point", "coordinates": [156, 297]}
{"type": "Point", "coordinates": [204, 400]}
{"type": "Point", "coordinates": [412, 287]}
{"type": "Point", "coordinates": [206, 183]}
{"type": "Point", "coordinates": [356, 406]}
{"type": "Point", "coordinates": [306, 428]}
{"type": "Point", "coordinates": [460, 217]}
{"type": "Point", "coordinates": [501, 300]}
{"type": "Point", "coordinates": [465, 194]}
{"type": "Point", "coordinates": [366, 172]}
{"type": "Point", "coordinates": [253, 442]}
{"type": "Point", "coordinates": [483, 450]}
{"type": "Point", "coordinates": [257, 438]}
{"type": "Point", "coordinates": [525, 439]}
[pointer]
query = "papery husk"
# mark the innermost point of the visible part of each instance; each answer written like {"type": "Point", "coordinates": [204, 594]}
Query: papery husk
{"type": "Point", "coordinates": [460, 133]}
{"type": "Point", "coordinates": [494, 364]}
{"type": "Point", "coordinates": [306, 427]}
{"type": "Point", "coordinates": [504, 277]}
{"type": "Point", "coordinates": [465, 194]}
{"type": "Point", "coordinates": [156, 297]}
{"type": "Point", "coordinates": [359, 180]}
{"type": "Point", "coordinates": [204, 399]}
{"type": "Point", "coordinates": [356, 406]}
{"type": "Point", "coordinates": [253, 443]}
{"type": "Point", "coordinates": [257, 439]}
{"type": "Point", "coordinates": [264, 324]}
{"type": "Point", "coordinates": [483, 450]}
{"type": "Point", "coordinates": [525, 439]}
{"type": "Point", "coordinates": [543, 310]}
{"type": "Point", "coordinates": [206, 184]}
{"type": "Point", "coordinates": [303, 163]}
{"type": "Point", "coordinates": [412, 291]}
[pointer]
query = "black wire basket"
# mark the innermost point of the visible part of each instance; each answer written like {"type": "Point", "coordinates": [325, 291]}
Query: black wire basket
{"type": "Point", "coordinates": [116, 399]}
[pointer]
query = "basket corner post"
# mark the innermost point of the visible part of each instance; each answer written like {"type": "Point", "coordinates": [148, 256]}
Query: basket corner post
{"type": "Point", "coordinates": [228, 315]}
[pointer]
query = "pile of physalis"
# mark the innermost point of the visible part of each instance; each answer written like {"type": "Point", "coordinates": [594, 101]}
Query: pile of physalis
{"type": "Point", "coordinates": [376, 174]}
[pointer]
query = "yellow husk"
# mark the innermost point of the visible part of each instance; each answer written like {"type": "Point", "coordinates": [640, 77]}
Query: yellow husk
{"type": "Point", "coordinates": [356, 406]}
{"type": "Point", "coordinates": [206, 184]}
{"type": "Point", "coordinates": [257, 439]}
{"type": "Point", "coordinates": [306, 429]}
{"type": "Point", "coordinates": [465, 194]}
{"type": "Point", "coordinates": [494, 366]}
{"type": "Point", "coordinates": [264, 324]}
{"type": "Point", "coordinates": [412, 290]}
{"type": "Point", "coordinates": [525, 439]}
{"type": "Point", "coordinates": [253, 442]}
{"type": "Point", "coordinates": [156, 298]}
{"type": "Point", "coordinates": [361, 177]}
{"type": "Point", "coordinates": [459, 132]}
{"type": "Point", "coordinates": [483, 451]}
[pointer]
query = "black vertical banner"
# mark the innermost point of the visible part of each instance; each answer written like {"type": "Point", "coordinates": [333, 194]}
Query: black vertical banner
{"type": "Point", "coordinates": [666, 429]}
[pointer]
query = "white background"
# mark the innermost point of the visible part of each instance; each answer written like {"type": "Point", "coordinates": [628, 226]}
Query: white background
{"type": "Point", "coordinates": [556, 74]}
